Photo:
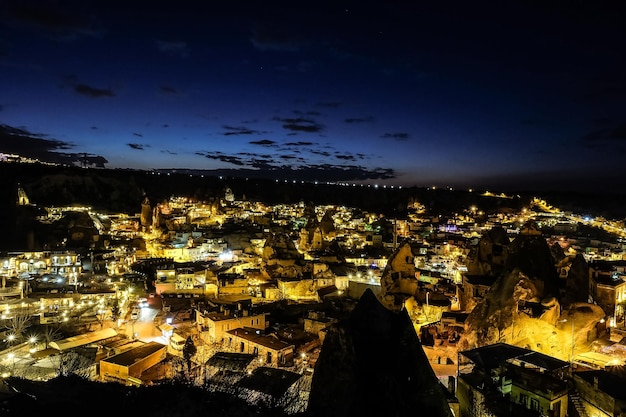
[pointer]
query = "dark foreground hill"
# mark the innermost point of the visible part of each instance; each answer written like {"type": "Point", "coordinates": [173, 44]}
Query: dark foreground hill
{"type": "Point", "coordinates": [75, 396]}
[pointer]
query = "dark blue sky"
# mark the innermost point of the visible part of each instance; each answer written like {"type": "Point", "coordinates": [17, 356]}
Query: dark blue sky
{"type": "Point", "coordinates": [508, 95]}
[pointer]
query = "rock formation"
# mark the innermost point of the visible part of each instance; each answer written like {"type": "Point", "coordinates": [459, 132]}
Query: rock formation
{"type": "Point", "coordinates": [372, 362]}
{"type": "Point", "coordinates": [398, 281]}
{"type": "Point", "coordinates": [523, 306]}
{"type": "Point", "coordinates": [490, 255]}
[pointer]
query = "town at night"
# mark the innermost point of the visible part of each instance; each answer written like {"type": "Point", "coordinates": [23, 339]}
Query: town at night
{"type": "Point", "coordinates": [307, 209]}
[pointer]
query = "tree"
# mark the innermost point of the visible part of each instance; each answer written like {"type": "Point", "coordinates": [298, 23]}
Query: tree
{"type": "Point", "coordinates": [188, 351]}
{"type": "Point", "coordinates": [115, 310]}
{"type": "Point", "coordinates": [19, 320]}
{"type": "Point", "coordinates": [51, 333]}
{"type": "Point", "coordinates": [77, 361]}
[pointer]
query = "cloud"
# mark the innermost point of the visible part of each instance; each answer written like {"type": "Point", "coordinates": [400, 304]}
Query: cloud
{"type": "Point", "coordinates": [331, 104]}
{"type": "Point", "coordinates": [617, 133]}
{"type": "Point", "coordinates": [262, 164]}
{"type": "Point", "coordinates": [231, 159]}
{"type": "Point", "coordinates": [165, 89]}
{"type": "Point", "coordinates": [238, 130]}
{"type": "Point", "coordinates": [321, 153]}
{"type": "Point", "coordinates": [137, 146]}
{"type": "Point", "coordinates": [300, 124]}
{"type": "Point", "coordinates": [360, 119]}
{"type": "Point", "coordinates": [88, 91]}
{"type": "Point", "coordinates": [271, 38]}
{"type": "Point", "coordinates": [605, 89]}
{"type": "Point", "coordinates": [264, 142]}
{"type": "Point", "coordinates": [396, 136]}
{"type": "Point", "coordinates": [296, 167]}
{"type": "Point", "coordinates": [177, 48]}
{"type": "Point", "coordinates": [19, 141]}
{"type": "Point", "coordinates": [138, 134]}
{"type": "Point", "coordinates": [299, 143]}
{"type": "Point", "coordinates": [66, 23]}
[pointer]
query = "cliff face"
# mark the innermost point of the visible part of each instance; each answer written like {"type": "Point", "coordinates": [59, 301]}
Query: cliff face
{"type": "Point", "coordinates": [527, 288]}
{"type": "Point", "coordinates": [524, 305]}
{"type": "Point", "coordinates": [577, 281]}
{"type": "Point", "coordinates": [372, 363]}
{"type": "Point", "coordinates": [490, 255]}
{"type": "Point", "coordinates": [530, 253]}
{"type": "Point", "coordinates": [398, 281]}
{"type": "Point", "coordinates": [514, 311]}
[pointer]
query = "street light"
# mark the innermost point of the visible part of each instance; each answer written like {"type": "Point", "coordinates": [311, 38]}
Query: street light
{"type": "Point", "coordinates": [33, 346]}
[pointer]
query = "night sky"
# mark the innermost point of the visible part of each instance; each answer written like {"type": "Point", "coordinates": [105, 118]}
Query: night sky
{"type": "Point", "coordinates": [511, 95]}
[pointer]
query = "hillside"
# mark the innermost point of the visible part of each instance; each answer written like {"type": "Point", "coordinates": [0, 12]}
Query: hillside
{"type": "Point", "coordinates": [123, 191]}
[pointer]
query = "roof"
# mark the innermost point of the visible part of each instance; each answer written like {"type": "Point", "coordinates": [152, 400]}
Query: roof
{"type": "Point", "coordinates": [83, 339]}
{"type": "Point", "coordinates": [596, 358]}
{"type": "Point", "coordinates": [330, 289]}
{"type": "Point", "coordinates": [609, 382]}
{"type": "Point", "coordinates": [255, 336]}
{"type": "Point", "coordinates": [166, 327]}
{"type": "Point", "coordinates": [270, 381]}
{"type": "Point", "coordinates": [459, 316]}
{"type": "Point", "coordinates": [608, 281]}
{"type": "Point", "coordinates": [542, 361]}
{"type": "Point", "coordinates": [230, 361]}
{"type": "Point", "coordinates": [493, 356]}
{"type": "Point", "coordinates": [133, 355]}
{"type": "Point", "coordinates": [177, 338]}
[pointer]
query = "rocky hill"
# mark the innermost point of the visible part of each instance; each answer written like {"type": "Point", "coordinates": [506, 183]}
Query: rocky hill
{"type": "Point", "coordinates": [124, 190]}
{"type": "Point", "coordinates": [528, 303]}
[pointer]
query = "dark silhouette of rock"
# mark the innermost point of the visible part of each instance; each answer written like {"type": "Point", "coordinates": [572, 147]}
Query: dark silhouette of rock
{"type": "Point", "coordinates": [577, 280]}
{"type": "Point", "coordinates": [372, 363]}
{"type": "Point", "coordinates": [490, 255]}
{"type": "Point", "coordinates": [557, 252]}
{"type": "Point", "coordinates": [530, 253]}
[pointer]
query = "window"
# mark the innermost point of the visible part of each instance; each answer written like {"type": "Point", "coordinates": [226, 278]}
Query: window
{"type": "Point", "coordinates": [534, 404]}
{"type": "Point", "coordinates": [523, 399]}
